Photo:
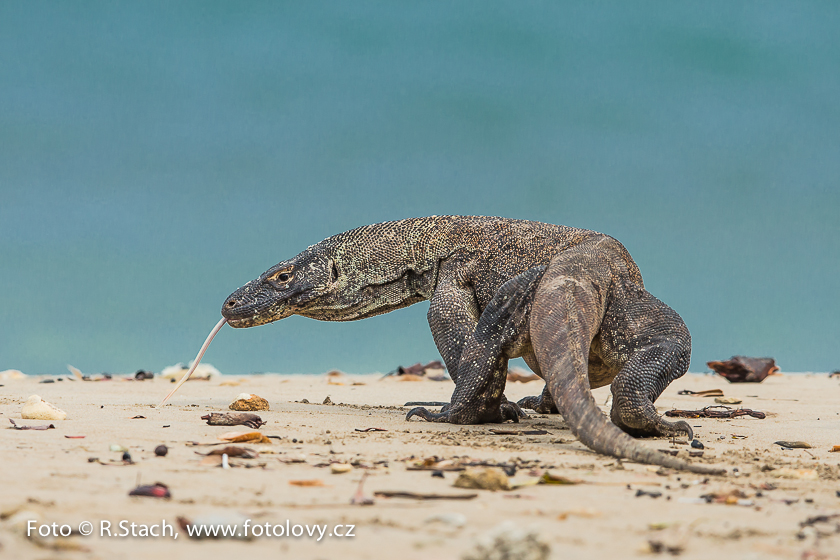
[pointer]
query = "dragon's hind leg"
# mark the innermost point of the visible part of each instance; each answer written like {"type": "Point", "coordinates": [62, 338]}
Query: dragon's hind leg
{"type": "Point", "coordinates": [640, 382]}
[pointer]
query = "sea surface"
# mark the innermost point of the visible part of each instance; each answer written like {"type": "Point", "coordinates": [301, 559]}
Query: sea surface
{"type": "Point", "coordinates": [154, 156]}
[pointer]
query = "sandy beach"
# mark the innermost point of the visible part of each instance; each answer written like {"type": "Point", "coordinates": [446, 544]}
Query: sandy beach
{"type": "Point", "coordinates": [769, 507]}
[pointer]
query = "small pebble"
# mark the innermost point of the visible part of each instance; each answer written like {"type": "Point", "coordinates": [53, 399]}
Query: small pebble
{"type": "Point", "coordinates": [340, 468]}
{"type": "Point", "coordinates": [697, 444]}
{"type": "Point", "coordinates": [126, 457]}
{"type": "Point", "coordinates": [161, 450]}
{"type": "Point", "coordinates": [438, 474]}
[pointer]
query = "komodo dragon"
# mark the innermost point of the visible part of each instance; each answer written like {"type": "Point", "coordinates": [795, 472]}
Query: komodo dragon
{"type": "Point", "coordinates": [570, 301]}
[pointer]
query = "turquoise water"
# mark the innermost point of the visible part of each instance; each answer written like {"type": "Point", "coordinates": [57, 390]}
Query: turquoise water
{"type": "Point", "coordinates": [154, 157]}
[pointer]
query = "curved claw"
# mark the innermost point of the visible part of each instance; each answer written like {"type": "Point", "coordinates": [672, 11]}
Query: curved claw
{"type": "Point", "coordinates": [511, 411]}
{"type": "Point", "coordinates": [537, 404]}
{"type": "Point", "coordinates": [682, 426]}
{"type": "Point", "coordinates": [425, 414]}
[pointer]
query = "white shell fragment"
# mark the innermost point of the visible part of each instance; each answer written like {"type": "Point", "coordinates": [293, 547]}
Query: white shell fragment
{"type": "Point", "coordinates": [36, 408]}
{"type": "Point", "coordinates": [11, 374]}
{"type": "Point", "coordinates": [340, 468]}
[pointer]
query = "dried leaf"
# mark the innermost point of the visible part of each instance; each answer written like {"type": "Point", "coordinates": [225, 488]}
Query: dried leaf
{"type": "Point", "coordinates": [308, 483]}
{"type": "Point", "coordinates": [244, 437]}
{"type": "Point", "coordinates": [794, 444]}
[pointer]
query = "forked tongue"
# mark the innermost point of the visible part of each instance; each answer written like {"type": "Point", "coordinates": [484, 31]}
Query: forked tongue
{"type": "Point", "coordinates": [197, 360]}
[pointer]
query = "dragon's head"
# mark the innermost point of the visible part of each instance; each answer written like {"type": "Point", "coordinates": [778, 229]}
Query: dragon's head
{"type": "Point", "coordinates": [287, 288]}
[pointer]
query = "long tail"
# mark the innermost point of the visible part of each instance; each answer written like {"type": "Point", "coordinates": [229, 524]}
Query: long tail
{"type": "Point", "coordinates": [593, 428]}
{"type": "Point", "coordinates": [566, 315]}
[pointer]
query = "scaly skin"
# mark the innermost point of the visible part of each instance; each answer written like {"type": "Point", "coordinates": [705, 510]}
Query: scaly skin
{"type": "Point", "coordinates": [570, 301]}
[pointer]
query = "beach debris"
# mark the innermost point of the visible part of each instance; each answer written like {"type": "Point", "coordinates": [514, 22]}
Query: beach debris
{"type": "Point", "coordinates": [436, 464]}
{"type": "Point", "coordinates": [11, 375]}
{"type": "Point", "coordinates": [327, 400]}
{"type": "Point", "coordinates": [161, 450]}
{"type": "Point", "coordinates": [340, 468]}
{"type": "Point", "coordinates": [234, 451]}
{"type": "Point", "coordinates": [456, 520]}
{"type": "Point", "coordinates": [484, 478]}
{"type": "Point", "coordinates": [793, 444]}
{"type": "Point", "coordinates": [506, 542]}
{"type": "Point", "coordinates": [232, 382]}
{"type": "Point", "coordinates": [221, 525]}
{"type": "Point", "coordinates": [247, 402]}
{"type": "Point", "coordinates": [225, 462]}
{"type": "Point", "coordinates": [126, 458]}
{"type": "Point", "coordinates": [651, 493]}
{"type": "Point", "coordinates": [519, 432]}
{"type": "Point", "coordinates": [82, 377]}
{"type": "Point", "coordinates": [586, 513]}
{"type": "Point", "coordinates": [519, 375]}
{"type": "Point", "coordinates": [295, 458]}
{"type": "Point", "coordinates": [195, 362]}
{"type": "Point", "coordinates": [244, 437]}
{"type": "Point", "coordinates": [337, 377]}
{"type": "Point", "coordinates": [47, 381]}
{"type": "Point", "coordinates": [835, 449]}
{"type": "Point", "coordinates": [433, 371]}
{"type": "Point", "coordinates": [370, 430]}
{"type": "Point", "coordinates": [202, 372]}
{"type": "Point", "coordinates": [74, 437]}
{"type": "Point", "coordinates": [359, 498]}
{"type": "Point", "coordinates": [142, 375]}
{"type": "Point", "coordinates": [716, 411]}
{"type": "Point", "coordinates": [551, 477]}
{"type": "Point", "coordinates": [233, 419]}
{"type": "Point", "coordinates": [795, 474]}
{"type": "Point", "coordinates": [658, 547]}
{"type": "Point", "coordinates": [835, 373]}
{"type": "Point", "coordinates": [310, 483]}
{"type": "Point", "coordinates": [707, 393]}
{"type": "Point", "coordinates": [138, 417]}
{"type": "Point", "coordinates": [156, 490]}
{"type": "Point", "coordinates": [734, 497]}
{"type": "Point", "coordinates": [43, 427]}
{"type": "Point", "coordinates": [116, 448]}
{"type": "Point", "coordinates": [36, 408]}
{"type": "Point", "coordinates": [728, 400]}
{"type": "Point", "coordinates": [422, 496]}
{"type": "Point", "coordinates": [741, 369]}
{"type": "Point", "coordinates": [697, 444]}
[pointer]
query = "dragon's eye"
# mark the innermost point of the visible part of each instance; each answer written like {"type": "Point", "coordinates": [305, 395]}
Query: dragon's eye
{"type": "Point", "coordinates": [282, 276]}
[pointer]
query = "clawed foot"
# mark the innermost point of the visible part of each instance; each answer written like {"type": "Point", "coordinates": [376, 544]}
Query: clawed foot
{"type": "Point", "coordinates": [515, 406]}
{"type": "Point", "coordinates": [463, 415]}
{"type": "Point", "coordinates": [660, 428]}
{"type": "Point", "coordinates": [539, 405]}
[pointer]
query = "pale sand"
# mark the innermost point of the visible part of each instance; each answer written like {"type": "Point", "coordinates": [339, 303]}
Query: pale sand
{"type": "Point", "coordinates": [599, 518]}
